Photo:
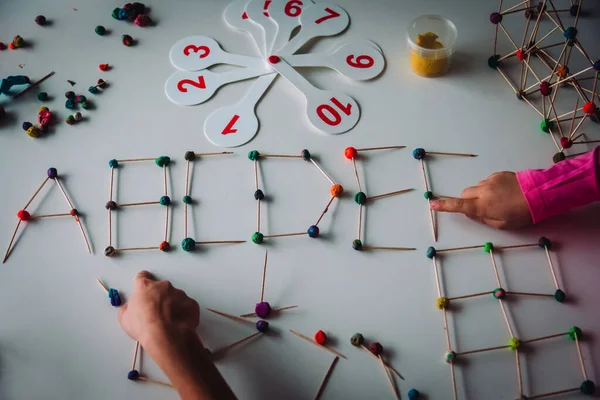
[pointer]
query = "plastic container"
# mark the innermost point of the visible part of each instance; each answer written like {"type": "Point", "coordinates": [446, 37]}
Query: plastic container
{"type": "Point", "coordinates": [431, 41]}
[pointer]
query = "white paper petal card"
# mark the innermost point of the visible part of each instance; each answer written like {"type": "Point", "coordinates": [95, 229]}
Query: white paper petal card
{"type": "Point", "coordinates": [270, 24]}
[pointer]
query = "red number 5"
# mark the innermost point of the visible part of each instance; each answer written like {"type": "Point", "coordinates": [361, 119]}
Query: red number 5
{"type": "Point", "coordinates": [200, 84]}
{"type": "Point", "coordinates": [205, 50]}
{"type": "Point", "coordinates": [361, 61]}
{"type": "Point", "coordinates": [334, 118]}
{"type": "Point", "coordinates": [293, 8]}
{"type": "Point", "coordinates": [332, 14]}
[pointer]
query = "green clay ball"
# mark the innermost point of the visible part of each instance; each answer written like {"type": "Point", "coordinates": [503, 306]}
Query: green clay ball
{"type": "Point", "coordinates": [360, 198]}
{"type": "Point", "coordinates": [100, 30]}
{"type": "Point", "coordinates": [587, 387]}
{"type": "Point", "coordinates": [546, 125]}
{"type": "Point", "coordinates": [188, 244]}
{"type": "Point", "coordinates": [575, 332]}
{"type": "Point", "coordinates": [357, 245]}
{"type": "Point", "coordinates": [428, 195]}
{"type": "Point", "coordinates": [253, 155]}
{"type": "Point", "coordinates": [514, 344]}
{"type": "Point", "coordinates": [488, 247]}
{"type": "Point", "coordinates": [187, 199]}
{"type": "Point", "coordinates": [163, 161]}
{"type": "Point", "coordinates": [85, 105]}
{"type": "Point", "coordinates": [42, 96]}
{"type": "Point", "coordinates": [258, 237]}
{"type": "Point", "coordinates": [560, 296]}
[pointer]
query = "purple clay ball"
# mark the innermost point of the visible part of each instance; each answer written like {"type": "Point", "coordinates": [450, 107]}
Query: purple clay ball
{"type": "Point", "coordinates": [262, 309]}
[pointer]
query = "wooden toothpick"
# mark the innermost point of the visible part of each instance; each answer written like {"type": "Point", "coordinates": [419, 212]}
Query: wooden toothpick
{"type": "Point", "coordinates": [381, 148]}
{"type": "Point", "coordinates": [224, 349]}
{"type": "Point", "coordinates": [223, 242]}
{"type": "Point", "coordinates": [135, 353]}
{"type": "Point", "coordinates": [137, 159]}
{"type": "Point", "coordinates": [309, 340]}
{"type": "Point", "coordinates": [389, 376]}
{"type": "Point", "coordinates": [32, 85]}
{"type": "Point", "coordinates": [278, 156]}
{"type": "Point", "coordinates": [439, 153]}
{"type": "Point", "coordinates": [11, 242]}
{"type": "Point", "coordinates": [230, 316]}
{"type": "Point", "coordinates": [388, 248]}
{"type": "Point", "coordinates": [326, 378]}
{"type": "Point", "coordinates": [251, 315]}
{"type": "Point", "coordinates": [102, 284]}
{"type": "Point", "coordinates": [433, 227]}
{"type": "Point", "coordinates": [386, 364]}
{"type": "Point", "coordinates": [381, 196]}
{"type": "Point", "coordinates": [146, 379]}
{"type": "Point", "coordinates": [285, 235]}
{"type": "Point", "coordinates": [322, 171]}
{"type": "Point", "coordinates": [143, 203]}
{"type": "Point", "coordinates": [264, 276]}
{"type": "Point", "coordinates": [36, 193]}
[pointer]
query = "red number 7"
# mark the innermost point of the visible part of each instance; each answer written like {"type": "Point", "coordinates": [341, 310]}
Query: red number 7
{"type": "Point", "coordinates": [332, 14]}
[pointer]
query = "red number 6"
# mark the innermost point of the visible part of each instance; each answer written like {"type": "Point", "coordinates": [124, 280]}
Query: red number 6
{"type": "Point", "coordinates": [293, 8]}
{"type": "Point", "coordinates": [360, 61]}
{"type": "Point", "coordinates": [336, 117]}
{"type": "Point", "coordinates": [204, 49]}
{"type": "Point", "coordinates": [200, 84]}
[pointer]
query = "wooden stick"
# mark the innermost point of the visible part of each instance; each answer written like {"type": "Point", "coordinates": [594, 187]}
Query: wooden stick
{"type": "Point", "coordinates": [50, 215]}
{"type": "Point", "coordinates": [447, 331]}
{"type": "Point", "coordinates": [62, 190]}
{"type": "Point", "coordinates": [11, 242]}
{"type": "Point", "coordinates": [437, 279]}
{"type": "Point", "coordinates": [233, 317]}
{"type": "Point", "coordinates": [102, 284]}
{"type": "Point", "coordinates": [381, 148]}
{"type": "Point", "coordinates": [506, 79]}
{"type": "Point", "coordinates": [433, 228]}
{"type": "Point", "coordinates": [459, 248]}
{"type": "Point", "coordinates": [135, 353]}
{"type": "Point", "coordinates": [322, 171]}
{"type": "Point", "coordinates": [112, 174]}
{"type": "Point", "coordinates": [510, 331]}
{"type": "Point", "coordinates": [326, 378]}
{"type": "Point", "coordinates": [587, 142]}
{"type": "Point", "coordinates": [551, 265]}
{"type": "Point", "coordinates": [360, 215]}
{"type": "Point", "coordinates": [519, 374]}
{"type": "Point", "coordinates": [469, 296]}
{"type": "Point", "coordinates": [167, 224]}
{"type": "Point", "coordinates": [258, 216]}
{"type": "Point", "coordinates": [513, 7]}
{"type": "Point", "coordinates": [223, 242]}
{"type": "Point", "coordinates": [256, 174]}
{"type": "Point", "coordinates": [482, 350]}
{"type": "Point", "coordinates": [224, 349]}
{"type": "Point", "coordinates": [110, 227]}
{"type": "Point", "coordinates": [138, 248]}
{"type": "Point", "coordinates": [388, 248]}
{"type": "Point", "coordinates": [144, 203]}
{"type": "Point", "coordinates": [146, 379]}
{"type": "Point", "coordinates": [539, 396]}
{"type": "Point", "coordinates": [583, 370]}
{"type": "Point", "coordinates": [278, 156]}
{"type": "Point", "coordinates": [386, 364]}
{"type": "Point", "coordinates": [187, 193]}
{"type": "Point", "coordinates": [495, 268]}
{"type": "Point", "coordinates": [545, 337]}
{"type": "Point", "coordinates": [324, 211]}
{"type": "Point", "coordinates": [301, 336]}
{"type": "Point", "coordinates": [389, 376]}
{"type": "Point", "coordinates": [165, 179]}
{"type": "Point", "coordinates": [136, 159]}
{"type": "Point", "coordinates": [452, 154]}
{"type": "Point", "coordinates": [264, 276]}
{"type": "Point", "coordinates": [381, 196]}
{"type": "Point", "coordinates": [453, 374]}
{"type": "Point", "coordinates": [213, 154]}
{"type": "Point", "coordinates": [35, 194]}
{"type": "Point", "coordinates": [356, 174]}
{"type": "Point", "coordinates": [530, 294]}
{"type": "Point", "coordinates": [32, 85]}
{"type": "Point", "coordinates": [285, 235]}
{"type": "Point", "coordinates": [518, 246]}
{"type": "Point", "coordinates": [252, 315]}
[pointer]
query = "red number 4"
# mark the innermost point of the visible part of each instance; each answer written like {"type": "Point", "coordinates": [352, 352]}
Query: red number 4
{"type": "Point", "coordinates": [332, 14]}
{"type": "Point", "coordinates": [334, 118]}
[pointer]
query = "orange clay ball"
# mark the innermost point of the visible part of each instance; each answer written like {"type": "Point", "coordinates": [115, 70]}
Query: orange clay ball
{"type": "Point", "coordinates": [12, 46]}
{"type": "Point", "coordinates": [337, 190]}
{"type": "Point", "coordinates": [350, 153]}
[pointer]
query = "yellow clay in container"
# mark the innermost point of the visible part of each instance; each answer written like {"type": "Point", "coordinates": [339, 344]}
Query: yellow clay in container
{"type": "Point", "coordinates": [430, 39]}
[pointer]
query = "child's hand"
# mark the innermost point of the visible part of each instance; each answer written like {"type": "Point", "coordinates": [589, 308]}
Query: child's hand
{"type": "Point", "coordinates": [497, 201]}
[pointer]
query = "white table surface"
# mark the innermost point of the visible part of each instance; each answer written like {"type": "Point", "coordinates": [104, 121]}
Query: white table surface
{"type": "Point", "coordinates": [59, 338]}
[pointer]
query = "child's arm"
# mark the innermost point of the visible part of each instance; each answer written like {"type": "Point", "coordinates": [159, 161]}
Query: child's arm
{"type": "Point", "coordinates": [507, 200]}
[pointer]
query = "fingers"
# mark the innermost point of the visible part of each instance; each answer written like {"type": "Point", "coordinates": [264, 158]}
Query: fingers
{"type": "Point", "coordinates": [120, 313]}
{"type": "Point", "coordinates": [144, 275]}
{"type": "Point", "coordinates": [471, 192]}
{"type": "Point", "coordinates": [463, 206]}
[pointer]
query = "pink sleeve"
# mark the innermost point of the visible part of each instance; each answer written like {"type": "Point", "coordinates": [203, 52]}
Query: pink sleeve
{"type": "Point", "coordinates": [569, 184]}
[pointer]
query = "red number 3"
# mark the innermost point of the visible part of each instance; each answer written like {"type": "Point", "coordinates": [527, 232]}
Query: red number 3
{"type": "Point", "coordinates": [200, 84]}
{"type": "Point", "coordinates": [334, 118]}
{"type": "Point", "coordinates": [361, 61]}
{"type": "Point", "coordinates": [191, 48]}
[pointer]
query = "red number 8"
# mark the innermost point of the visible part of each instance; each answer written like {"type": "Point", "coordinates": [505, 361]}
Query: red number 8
{"type": "Point", "coordinates": [204, 49]}
{"type": "Point", "coordinates": [360, 61]}
{"type": "Point", "coordinates": [292, 8]}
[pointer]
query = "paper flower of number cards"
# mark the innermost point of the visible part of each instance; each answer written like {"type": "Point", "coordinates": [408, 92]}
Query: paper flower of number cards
{"type": "Point", "coordinates": [271, 23]}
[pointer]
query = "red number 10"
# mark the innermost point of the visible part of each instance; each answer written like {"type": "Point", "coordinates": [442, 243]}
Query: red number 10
{"type": "Point", "coordinates": [334, 118]}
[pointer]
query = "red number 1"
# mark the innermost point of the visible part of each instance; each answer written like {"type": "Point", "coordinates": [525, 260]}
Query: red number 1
{"type": "Point", "coordinates": [229, 128]}
{"type": "Point", "coordinates": [200, 84]}
{"type": "Point", "coordinates": [332, 14]}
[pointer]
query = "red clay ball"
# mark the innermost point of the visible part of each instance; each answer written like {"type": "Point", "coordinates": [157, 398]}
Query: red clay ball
{"type": "Point", "coordinates": [2, 46]}
{"type": "Point", "coordinates": [23, 215]}
{"type": "Point", "coordinates": [565, 143]}
{"type": "Point", "coordinates": [350, 153]}
{"type": "Point", "coordinates": [520, 55]}
{"type": "Point", "coordinates": [165, 246]}
{"type": "Point", "coordinates": [589, 108]}
{"type": "Point", "coordinates": [274, 59]}
{"type": "Point", "coordinates": [103, 67]}
{"type": "Point", "coordinates": [321, 337]}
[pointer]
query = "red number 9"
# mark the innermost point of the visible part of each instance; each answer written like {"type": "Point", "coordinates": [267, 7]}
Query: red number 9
{"type": "Point", "coordinates": [204, 49]}
{"type": "Point", "coordinates": [363, 61]}
{"type": "Point", "coordinates": [292, 8]}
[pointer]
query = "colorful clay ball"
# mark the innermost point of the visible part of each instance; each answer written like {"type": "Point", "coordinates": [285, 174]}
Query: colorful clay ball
{"type": "Point", "coordinates": [336, 190]}
{"type": "Point", "coordinates": [428, 195]}
{"type": "Point", "coordinates": [306, 155]}
{"type": "Point", "coordinates": [93, 90]}
{"type": "Point", "coordinates": [313, 231]}
{"type": "Point", "coordinates": [187, 199]}
{"type": "Point", "coordinates": [253, 155]}
{"type": "Point", "coordinates": [143, 20]}
{"type": "Point", "coordinates": [413, 394]}
{"type": "Point", "coordinates": [357, 245]}
{"type": "Point", "coordinates": [259, 195]}
{"type": "Point", "coordinates": [70, 94]}
{"type": "Point", "coordinates": [565, 142]}
{"type": "Point", "coordinates": [360, 198]}
{"type": "Point", "coordinates": [110, 205]}
{"type": "Point", "coordinates": [357, 339]}
{"type": "Point", "coordinates": [450, 357]}
{"type": "Point", "coordinates": [419, 153]}
{"type": "Point", "coordinates": [376, 348]}
{"type": "Point", "coordinates": [350, 153]}
{"type": "Point", "coordinates": [258, 237]}
{"type": "Point", "coordinates": [26, 125]}
{"type": "Point", "coordinates": [575, 332]}
{"type": "Point", "coordinates": [321, 338]}
{"type": "Point", "coordinates": [488, 247]}
{"type": "Point", "coordinates": [127, 40]}
{"type": "Point", "coordinates": [34, 132]}
{"type": "Point", "coordinates": [262, 310]}
{"type": "Point", "coordinates": [42, 96]}
{"type": "Point", "coordinates": [23, 215]}
{"type": "Point", "coordinates": [545, 88]}
{"type": "Point", "coordinates": [115, 299]}
{"type": "Point", "coordinates": [495, 18]}
{"type": "Point", "coordinates": [514, 343]}
{"type": "Point", "coordinates": [571, 33]}
{"type": "Point", "coordinates": [546, 125]}
{"type": "Point", "coordinates": [588, 387]}
{"type": "Point", "coordinates": [589, 108]}
{"type": "Point", "coordinates": [86, 105]}
{"type": "Point", "coordinates": [560, 296]}
{"type": "Point", "coordinates": [494, 61]}
{"type": "Point", "coordinates": [545, 243]}
{"type": "Point", "coordinates": [262, 326]}
{"type": "Point", "coordinates": [18, 42]}
{"type": "Point", "coordinates": [164, 246]}
{"type": "Point", "coordinates": [113, 163]}
{"type": "Point", "coordinates": [189, 156]}
{"type": "Point", "coordinates": [442, 303]}
{"type": "Point", "coordinates": [162, 161]}
{"type": "Point", "coordinates": [499, 294]}
{"type": "Point", "coordinates": [70, 104]}
{"type": "Point", "coordinates": [188, 244]}
{"type": "Point", "coordinates": [40, 20]}
{"type": "Point", "coordinates": [133, 375]}
{"type": "Point", "coordinates": [109, 251]}
{"type": "Point", "coordinates": [70, 120]}
{"type": "Point", "coordinates": [165, 201]}
{"type": "Point", "coordinates": [558, 157]}
{"type": "Point", "coordinates": [52, 173]}
{"type": "Point", "coordinates": [77, 116]}
{"type": "Point", "coordinates": [431, 252]}
{"type": "Point", "coordinates": [100, 30]}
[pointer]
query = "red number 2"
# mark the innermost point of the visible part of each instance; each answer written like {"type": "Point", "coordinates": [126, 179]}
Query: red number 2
{"type": "Point", "coordinates": [191, 48]}
{"type": "Point", "coordinates": [229, 128]}
{"type": "Point", "coordinates": [200, 84]}
{"type": "Point", "coordinates": [360, 61]}
{"type": "Point", "coordinates": [332, 14]}
{"type": "Point", "coordinates": [336, 118]}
